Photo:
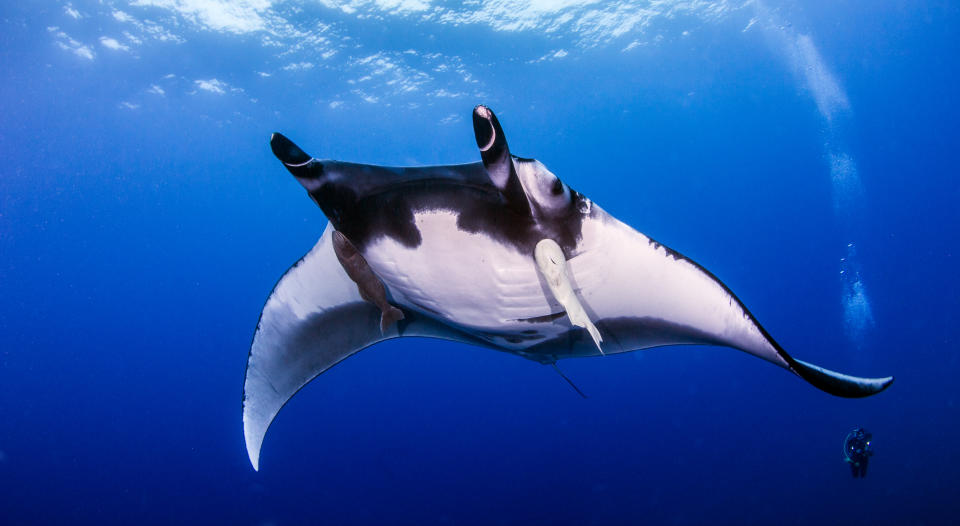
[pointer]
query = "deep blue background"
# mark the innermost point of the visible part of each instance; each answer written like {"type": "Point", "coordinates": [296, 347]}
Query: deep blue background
{"type": "Point", "coordinates": [137, 248]}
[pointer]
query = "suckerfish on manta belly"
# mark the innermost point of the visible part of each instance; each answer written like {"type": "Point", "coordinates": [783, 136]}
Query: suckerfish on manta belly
{"type": "Point", "coordinates": [500, 254]}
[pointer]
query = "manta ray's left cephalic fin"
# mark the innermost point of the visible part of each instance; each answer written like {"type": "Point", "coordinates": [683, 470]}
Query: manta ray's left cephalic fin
{"type": "Point", "coordinates": [314, 318]}
{"type": "Point", "coordinates": [553, 267]}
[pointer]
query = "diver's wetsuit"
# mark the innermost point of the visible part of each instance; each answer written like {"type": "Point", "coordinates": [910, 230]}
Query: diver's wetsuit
{"type": "Point", "coordinates": [857, 451]}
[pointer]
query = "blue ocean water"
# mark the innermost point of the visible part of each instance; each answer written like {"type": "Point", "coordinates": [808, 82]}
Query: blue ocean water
{"type": "Point", "coordinates": [805, 153]}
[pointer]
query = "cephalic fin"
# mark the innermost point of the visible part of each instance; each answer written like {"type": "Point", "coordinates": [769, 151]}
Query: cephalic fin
{"type": "Point", "coordinates": [497, 159]}
{"type": "Point", "coordinates": [553, 266]}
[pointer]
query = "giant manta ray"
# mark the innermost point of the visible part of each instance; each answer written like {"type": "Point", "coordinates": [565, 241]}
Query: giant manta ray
{"type": "Point", "coordinates": [499, 253]}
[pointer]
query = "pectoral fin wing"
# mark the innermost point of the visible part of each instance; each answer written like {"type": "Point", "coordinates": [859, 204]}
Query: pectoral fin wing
{"type": "Point", "coordinates": [313, 319]}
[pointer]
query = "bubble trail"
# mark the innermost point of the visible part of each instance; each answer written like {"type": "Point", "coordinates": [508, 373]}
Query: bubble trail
{"type": "Point", "coordinates": [833, 106]}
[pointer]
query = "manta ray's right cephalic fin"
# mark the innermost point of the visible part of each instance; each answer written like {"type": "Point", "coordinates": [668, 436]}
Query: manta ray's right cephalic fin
{"type": "Point", "coordinates": [497, 159]}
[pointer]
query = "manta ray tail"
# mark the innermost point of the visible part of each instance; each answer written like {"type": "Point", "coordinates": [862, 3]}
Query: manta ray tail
{"type": "Point", "coordinates": [569, 381]}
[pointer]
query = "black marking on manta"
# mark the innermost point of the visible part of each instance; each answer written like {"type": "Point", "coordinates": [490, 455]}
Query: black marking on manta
{"type": "Point", "coordinates": [545, 318]}
{"type": "Point", "coordinates": [382, 202]}
{"type": "Point", "coordinates": [476, 253]}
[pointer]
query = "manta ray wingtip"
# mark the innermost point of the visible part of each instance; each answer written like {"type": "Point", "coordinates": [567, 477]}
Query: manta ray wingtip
{"type": "Point", "coordinates": [253, 434]}
{"type": "Point", "coordinates": [840, 384]}
{"type": "Point", "coordinates": [253, 452]}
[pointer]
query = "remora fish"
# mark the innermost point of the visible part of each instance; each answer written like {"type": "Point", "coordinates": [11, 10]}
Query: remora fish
{"type": "Point", "coordinates": [499, 253]}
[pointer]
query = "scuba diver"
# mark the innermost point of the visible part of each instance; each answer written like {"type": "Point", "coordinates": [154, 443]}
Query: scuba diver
{"type": "Point", "coordinates": [857, 451]}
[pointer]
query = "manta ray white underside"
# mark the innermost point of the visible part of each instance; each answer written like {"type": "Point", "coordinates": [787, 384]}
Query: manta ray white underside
{"type": "Point", "coordinates": [462, 271]}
